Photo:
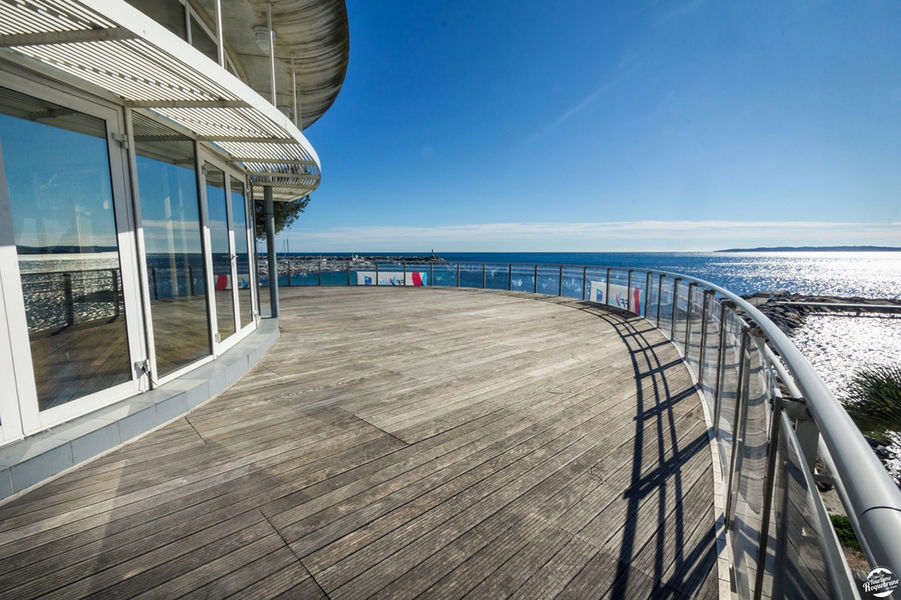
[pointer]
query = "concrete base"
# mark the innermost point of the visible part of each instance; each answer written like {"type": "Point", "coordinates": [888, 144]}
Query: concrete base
{"type": "Point", "coordinates": [35, 459]}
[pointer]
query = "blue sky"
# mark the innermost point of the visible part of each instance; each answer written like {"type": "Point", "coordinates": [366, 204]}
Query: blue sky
{"type": "Point", "coordinates": [611, 126]}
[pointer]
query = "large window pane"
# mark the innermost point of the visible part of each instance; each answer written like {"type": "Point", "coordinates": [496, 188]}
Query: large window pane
{"type": "Point", "coordinates": [172, 237]}
{"type": "Point", "coordinates": [239, 214]}
{"type": "Point", "coordinates": [58, 176]}
{"type": "Point", "coordinates": [218, 212]}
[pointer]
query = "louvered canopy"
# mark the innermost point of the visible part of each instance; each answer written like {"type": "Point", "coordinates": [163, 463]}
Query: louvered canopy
{"type": "Point", "coordinates": [112, 46]}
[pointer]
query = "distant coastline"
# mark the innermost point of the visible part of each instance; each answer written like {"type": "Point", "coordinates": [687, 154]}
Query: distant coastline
{"type": "Point", "coordinates": [815, 249]}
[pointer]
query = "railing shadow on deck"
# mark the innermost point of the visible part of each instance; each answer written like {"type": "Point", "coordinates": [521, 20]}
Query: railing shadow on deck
{"type": "Point", "coordinates": [769, 409]}
{"type": "Point", "coordinates": [692, 565]}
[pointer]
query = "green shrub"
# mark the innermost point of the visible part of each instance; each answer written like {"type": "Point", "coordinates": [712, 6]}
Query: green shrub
{"type": "Point", "coordinates": [845, 532]}
{"type": "Point", "coordinates": [875, 400]}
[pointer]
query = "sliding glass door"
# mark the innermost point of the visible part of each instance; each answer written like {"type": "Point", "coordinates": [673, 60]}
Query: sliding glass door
{"type": "Point", "coordinates": [174, 267]}
{"type": "Point", "coordinates": [229, 251]}
{"type": "Point", "coordinates": [68, 209]}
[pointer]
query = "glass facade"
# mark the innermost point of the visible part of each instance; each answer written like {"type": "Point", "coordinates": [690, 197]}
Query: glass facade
{"type": "Point", "coordinates": [217, 208]}
{"type": "Point", "coordinates": [170, 213]}
{"type": "Point", "coordinates": [242, 251]}
{"type": "Point", "coordinates": [58, 175]}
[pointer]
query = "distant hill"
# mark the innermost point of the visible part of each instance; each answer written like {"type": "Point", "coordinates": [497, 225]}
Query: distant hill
{"type": "Point", "coordinates": [815, 249]}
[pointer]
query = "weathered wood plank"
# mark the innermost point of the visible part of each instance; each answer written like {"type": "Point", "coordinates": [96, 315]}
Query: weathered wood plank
{"type": "Point", "coordinates": [442, 443]}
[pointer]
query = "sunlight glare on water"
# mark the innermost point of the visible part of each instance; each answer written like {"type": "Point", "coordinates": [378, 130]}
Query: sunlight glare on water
{"type": "Point", "coordinates": [866, 274]}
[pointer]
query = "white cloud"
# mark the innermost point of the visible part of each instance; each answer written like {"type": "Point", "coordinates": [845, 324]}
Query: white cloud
{"type": "Point", "coordinates": [632, 236]}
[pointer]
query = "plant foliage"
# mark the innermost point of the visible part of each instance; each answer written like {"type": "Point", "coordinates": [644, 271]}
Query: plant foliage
{"type": "Point", "coordinates": [285, 214]}
{"type": "Point", "coordinates": [875, 400]}
{"type": "Point", "coordinates": [845, 532]}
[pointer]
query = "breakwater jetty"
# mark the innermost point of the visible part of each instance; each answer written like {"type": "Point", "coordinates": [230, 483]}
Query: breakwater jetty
{"type": "Point", "coordinates": [789, 311]}
{"type": "Point", "coordinates": [325, 263]}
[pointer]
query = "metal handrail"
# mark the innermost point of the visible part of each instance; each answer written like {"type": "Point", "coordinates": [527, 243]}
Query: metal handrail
{"type": "Point", "coordinates": [871, 498]}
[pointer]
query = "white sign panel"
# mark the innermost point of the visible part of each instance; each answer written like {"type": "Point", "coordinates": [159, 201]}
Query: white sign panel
{"type": "Point", "coordinates": [414, 278]}
{"type": "Point", "coordinates": [619, 296]}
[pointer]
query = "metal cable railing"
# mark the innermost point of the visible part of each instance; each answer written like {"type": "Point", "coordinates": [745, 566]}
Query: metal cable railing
{"type": "Point", "coordinates": [772, 415]}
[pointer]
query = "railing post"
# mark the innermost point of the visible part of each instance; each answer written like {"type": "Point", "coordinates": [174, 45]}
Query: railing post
{"type": "Point", "coordinates": [688, 321]}
{"type": "Point", "coordinates": [607, 292]}
{"type": "Point", "coordinates": [431, 274]}
{"type": "Point", "coordinates": [720, 359]}
{"type": "Point", "coordinates": [67, 293]}
{"type": "Point", "coordinates": [348, 274]}
{"type": "Point", "coordinates": [536, 279]}
{"type": "Point", "coordinates": [376, 274]}
{"type": "Point", "coordinates": [191, 279]}
{"type": "Point", "coordinates": [629, 291]}
{"type": "Point", "coordinates": [647, 293]}
{"type": "Point", "coordinates": [808, 435]}
{"type": "Point", "coordinates": [156, 293]}
{"type": "Point", "coordinates": [737, 422]}
{"type": "Point", "coordinates": [702, 353]}
{"type": "Point", "coordinates": [405, 273]}
{"type": "Point", "coordinates": [319, 274]}
{"type": "Point", "coordinates": [483, 277]}
{"type": "Point", "coordinates": [115, 275]}
{"type": "Point", "coordinates": [672, 324]}
{"type": "Point", "coordinates": [768, 486]}
{"type": "Point", "coordinates": [659, 297]}
{"type": "Point", "coordinates": [560, 282]}
{"type": "Point", "coordinates": [510, 277]}
{"type": "Point", "coordinates": [584, 280]}
{"type": "Point", "coordinates": [780, 552]}
{"type": "Point", "coordinates": [458, 274]}
{"type": "Point", "coordinates": [288, 264]}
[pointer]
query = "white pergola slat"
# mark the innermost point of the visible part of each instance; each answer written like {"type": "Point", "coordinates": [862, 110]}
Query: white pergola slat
{"type": "Point", "coordinates": [113, 46]}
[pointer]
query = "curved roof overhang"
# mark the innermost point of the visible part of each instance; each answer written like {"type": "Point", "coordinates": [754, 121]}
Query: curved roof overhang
{"type": "Point", "coordinates": [117, 49]}
{"type": "Point", "coordinates": [314, 32]}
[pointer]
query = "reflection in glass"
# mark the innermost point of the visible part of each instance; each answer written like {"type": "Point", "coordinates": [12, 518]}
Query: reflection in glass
{"type": "Point", "coordinates": [175, 271]}
{"type": "Point", "coordinates": [58, 176]}
{"type": "Point", "coordinates": [222, 271]}
{"type": "Point", "coordinates": [239, 218]}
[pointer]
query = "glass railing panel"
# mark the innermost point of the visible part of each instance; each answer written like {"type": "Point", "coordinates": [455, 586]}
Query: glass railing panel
{"type": "Point", "coordinates": [618, 292]}
{"type": "Point", "coordinates": [548, 279]}
{"type": "Point", "coordinates": [679, 314]}
{"type": "Point", "coordinates": [749, 473]}
{"type": "Point", "coordinates": [418, 275]}
{"type": "Point", "coordinates": [335, 273]}
{"type": "Point", "coordinates": [444, 275]}
{"type": "Point", "coordinates": [653, 296]}
{"type": "Point", "coordinates": [303, 274]}
{"type": "Point", "coordinates": [665, 306]}
{"type": "Point", "coordinates": [711, 350]}
{"type": "Point", "coordinates": [640, 285]}
{"type": "Point", "coordinates": [805, 562]}
{"type": "Point", "coordinates": [727, 391]}
{"type": "Point", "coordinates": [694, 328]}
{"type": "Point", "coordinates": [596, 285]}
{"type": "Point", "coordinates": [571, 284]}
{"type": "Point", "coordinates": [471, 275]}
{"type": "Point", "coordinates": [523, 278]}
{"type": "Point", "coordinates": [497, 277]}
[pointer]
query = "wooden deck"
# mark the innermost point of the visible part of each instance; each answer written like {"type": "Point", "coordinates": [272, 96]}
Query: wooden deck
{"type": "Point", "coordinates": [400, 443]}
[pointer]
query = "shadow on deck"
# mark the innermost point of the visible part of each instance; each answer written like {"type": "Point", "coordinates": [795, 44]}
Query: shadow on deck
{"type": "Point", "coordinates": [401, 443]}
